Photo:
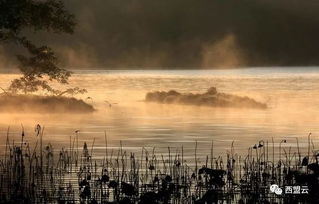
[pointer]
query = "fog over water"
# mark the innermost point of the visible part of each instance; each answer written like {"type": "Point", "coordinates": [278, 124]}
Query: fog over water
{"type": "Point", "coordinates": [183, 33]}
{"type": "Point", "coordinates": [292, 96]}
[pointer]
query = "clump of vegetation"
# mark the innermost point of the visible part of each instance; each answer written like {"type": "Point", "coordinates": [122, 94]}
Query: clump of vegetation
{"type": "Point", "coordinates": [40, 65]}
{"type": "Point", "coordinates": [38, 70]}
{"type": "Point", "coordinates": [210, 98]}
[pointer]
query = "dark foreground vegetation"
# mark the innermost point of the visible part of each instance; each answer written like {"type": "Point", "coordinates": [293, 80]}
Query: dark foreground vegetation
{"type": "Point", "coordinates": [210, 98]}
{"type": "Point", "coordinates": [36, 103]}
{"type": "Point", "coordinates": [42, 174]}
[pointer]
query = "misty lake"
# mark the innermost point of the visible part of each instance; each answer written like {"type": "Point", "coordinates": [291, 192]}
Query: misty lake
{"type": "Point", "coordinates": [292, 95]}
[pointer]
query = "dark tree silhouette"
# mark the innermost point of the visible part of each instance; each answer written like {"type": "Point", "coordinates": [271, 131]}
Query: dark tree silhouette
{"type": "Point", "coordinates": [40, 65]}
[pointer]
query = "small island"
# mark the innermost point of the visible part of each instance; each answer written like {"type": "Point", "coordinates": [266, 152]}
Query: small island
{"type": "Point", "coordinates": [210, 98]}
{"type": "Point", "coordinates": [43, 104]}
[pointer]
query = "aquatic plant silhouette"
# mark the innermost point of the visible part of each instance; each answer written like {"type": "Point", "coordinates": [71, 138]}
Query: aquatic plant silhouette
{"type": "Point", "coordinates": [41, 174]}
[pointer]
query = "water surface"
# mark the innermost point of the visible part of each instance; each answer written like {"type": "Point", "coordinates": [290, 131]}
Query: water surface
{"type": "Point", "coordinates": [291, 93]}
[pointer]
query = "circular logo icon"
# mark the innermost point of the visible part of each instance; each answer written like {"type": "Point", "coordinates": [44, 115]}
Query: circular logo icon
{"type": "Point", "coordinates": [274, 188]}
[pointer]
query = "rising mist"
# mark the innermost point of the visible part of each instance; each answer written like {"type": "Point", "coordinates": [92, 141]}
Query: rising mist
{"type": "Point", "coordinates": [153, 34]}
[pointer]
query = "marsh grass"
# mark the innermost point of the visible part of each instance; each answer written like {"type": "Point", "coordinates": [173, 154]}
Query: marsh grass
{"type": "Point", "coordinates": [41, 174]}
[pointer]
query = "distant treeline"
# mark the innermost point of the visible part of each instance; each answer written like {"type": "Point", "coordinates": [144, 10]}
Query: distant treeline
{"type": "Point", "coordinates": [184, 33]}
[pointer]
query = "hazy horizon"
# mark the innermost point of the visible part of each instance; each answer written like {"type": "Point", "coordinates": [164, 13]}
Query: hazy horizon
{"type": "Point", "coordinates": [184, 34]}
{"type": "Point", "coordinates": [15, 69]}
